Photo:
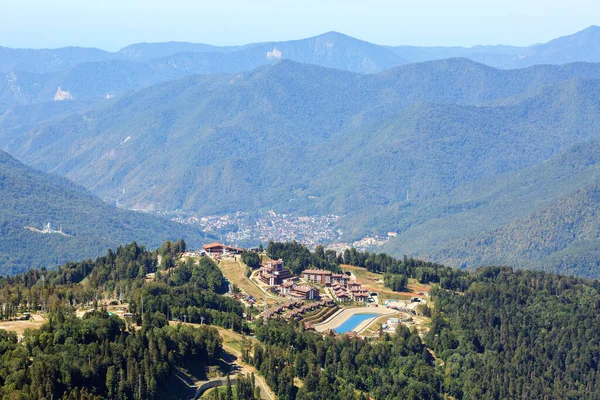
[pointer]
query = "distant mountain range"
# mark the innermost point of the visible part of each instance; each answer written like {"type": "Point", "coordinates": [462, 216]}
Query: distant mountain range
{"type": "Point", "coordinates": [30, 76]}
{"type": "Point", "coordinates": [30, 199]}
{"type": "Point", "coordinates": [206, 143]}
{"type": "Point", "coordinates": [388, 150]}
{"type": "Point", "coordinates": [581, 46]}
{"type": "Point", "coordinates": [464, 160]}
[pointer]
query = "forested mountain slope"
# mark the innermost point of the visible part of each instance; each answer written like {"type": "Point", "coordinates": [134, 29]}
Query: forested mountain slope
{"type": "Point", "coordinates": [143, 65]}
{"type": "Point", "coordinates": [385, 150]}
{"type": "Point", "coordinates": [563, 237]}
{"type": "Point", "coordinates": [494, 333]}
{"type": "Point", "coordinates": [164, 147]}
{"type": "Point", "coordinates": [516, 334]}
{"type": "Point", "coordinates": [96, 355]}
{"type": "Point", "coordinates": [436, 228]}
{"type": "Point", "coordinates": [29, 198]}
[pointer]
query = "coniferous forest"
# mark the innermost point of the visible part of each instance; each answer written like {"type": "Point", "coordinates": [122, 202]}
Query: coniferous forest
{"type": "Point", "coordinates": [495, 333]}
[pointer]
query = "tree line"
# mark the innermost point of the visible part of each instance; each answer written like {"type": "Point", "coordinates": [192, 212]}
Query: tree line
{"type": "Point", "coordinates": [97, 357]}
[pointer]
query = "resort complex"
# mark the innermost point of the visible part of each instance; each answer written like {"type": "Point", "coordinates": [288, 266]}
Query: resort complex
{"type": "Point", "coordinates": [323, 300]}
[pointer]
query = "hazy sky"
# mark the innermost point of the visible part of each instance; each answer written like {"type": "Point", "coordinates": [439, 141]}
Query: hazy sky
{"type": "Point", "coordinates": [112, 24]}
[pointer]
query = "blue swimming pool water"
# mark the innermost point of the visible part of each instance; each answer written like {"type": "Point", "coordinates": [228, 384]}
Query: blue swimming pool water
{"type": "Point", "coordinates": [352, 322]}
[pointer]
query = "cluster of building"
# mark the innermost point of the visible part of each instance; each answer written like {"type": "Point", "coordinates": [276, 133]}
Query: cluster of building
{"type": "Point", "coordinates": [310, 230]}
{"type": "Point", "coordinates": [242, 227]}
{"type": "Point", "coordinates": [285, 284]}
{"type": "Point", "coordinates": [244, 298]}
{"type": "Point", "coordinates": [274, 273]}
{"type": "Point", "coordinates": [392, 323]}
{"type": "Point", "coordinates": [363, 244]}
{"type": "Point", "coordinates": [296, 309]}
{"type": "Point", "coordinates": [292, 289]}
{"type": "Point", "coordinates": [282, 282]}
{"type": "Point", "coordinates": [341, 287]}
{"type": "Point", "coordinates": [351, 292]}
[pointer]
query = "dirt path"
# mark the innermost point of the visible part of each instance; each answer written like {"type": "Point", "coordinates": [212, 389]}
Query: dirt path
{"type": "Point", "coordinates": [238, 366]}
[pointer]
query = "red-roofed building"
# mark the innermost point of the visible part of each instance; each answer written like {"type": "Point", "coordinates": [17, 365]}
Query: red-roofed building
{"type": "Point", "coordinates": [219, 249]}
{"type": "Point", "coordinates": [340, 279]}
{"type": "Point", "coordinates": [360, 295]}
{"type": "Point", "coordinates": [317, 276]}
{"type": "Point", "coordinates": [304, 292]}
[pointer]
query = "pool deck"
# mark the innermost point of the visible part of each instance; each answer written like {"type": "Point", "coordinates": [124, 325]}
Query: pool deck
{"type": "Point", "coordinates": [342, 315]}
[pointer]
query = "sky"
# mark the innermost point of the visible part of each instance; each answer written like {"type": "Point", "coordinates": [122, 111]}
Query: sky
{"type": "Point", "coordinates": [113, 24]}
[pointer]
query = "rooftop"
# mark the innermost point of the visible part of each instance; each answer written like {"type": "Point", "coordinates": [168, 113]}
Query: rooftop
{"type": "Point", "coordinates": [316, 272]}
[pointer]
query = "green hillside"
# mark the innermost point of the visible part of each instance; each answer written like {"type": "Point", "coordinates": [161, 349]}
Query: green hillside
{"type": "Point", "coordinates": [31, 198]}
{"type": "Point", "coordinates": [446, 228]}
{"type": "Point", "coordinates": [214, 144]}
{"type": "Point", "coordinates": [567, 232]}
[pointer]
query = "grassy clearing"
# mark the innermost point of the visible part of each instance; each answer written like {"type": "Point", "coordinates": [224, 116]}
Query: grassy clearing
{"type": "Point", "coordinates": [389, 295]}
{"type": "Point", "coordinates": [235, 271]}
{"type": "Point", "coordinates": [423, 324]}
{"type": "Point", "coordinates": [374, 283]}
{"type": "Point", "coordinates": [417, 287]}
{"type": "Point", "coordinates": [19, 327]}
{"type": "Point", "coordinates": [232, 341]}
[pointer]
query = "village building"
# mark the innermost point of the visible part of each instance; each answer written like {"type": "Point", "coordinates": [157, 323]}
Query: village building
{"type": "Point", "coordinates": [340, 279]}
{"type": "Point", "coordinates": [195, 253]}
{"type": "Point", "coordinates": [274, 273]}
{"type": "Point", "coordinates": [340, 293]}
{"type": "Point", "coordinates": [216, 250]}
{"type": "Point", "coordinates": [359, 295]}
{"type": "Point", "coordinates": [303, 292]}
{"type": "Point", "coordinates": [286, 286]}
{"type": "Point", "coordinates": [318, 276]}
{"type": "Point", "coordinates": [341, 287]}
{"type": "Point", "coordinates": [289, 288]}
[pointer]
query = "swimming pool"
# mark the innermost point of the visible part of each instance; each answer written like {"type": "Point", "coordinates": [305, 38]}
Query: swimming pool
{"type": "Point", "coordinates": [353, 322]}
